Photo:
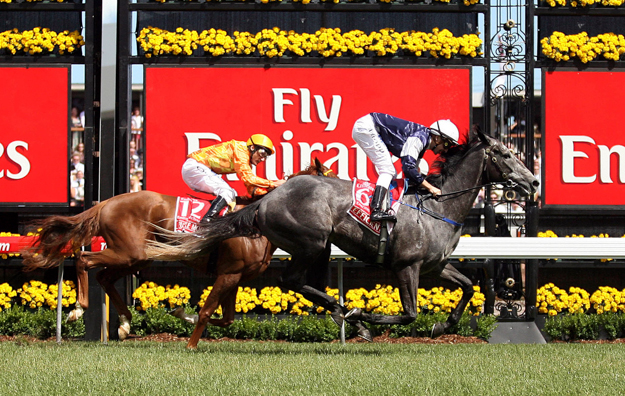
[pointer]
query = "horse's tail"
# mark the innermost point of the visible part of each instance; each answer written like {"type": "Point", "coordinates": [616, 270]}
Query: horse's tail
{"type": "Point", "coordinates": [179, 246]}
{"type": "Point", "coordinates": [59, 237]}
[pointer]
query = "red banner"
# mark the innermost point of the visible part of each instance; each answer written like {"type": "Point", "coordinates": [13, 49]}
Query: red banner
{"type": "Point", "coordinates": [307, 112]}
{"type": "Point", "coordinates": [584, 156]}
{"type": "Point", "coordinates": [33, 143]}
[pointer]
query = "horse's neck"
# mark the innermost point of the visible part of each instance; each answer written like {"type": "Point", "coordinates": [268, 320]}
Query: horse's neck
{"type": "Point", "coordinates": [468, 174]}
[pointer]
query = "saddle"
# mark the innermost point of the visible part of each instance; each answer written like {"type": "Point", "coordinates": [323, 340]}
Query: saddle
{"type": "Point", "coordinates": [361, 198]}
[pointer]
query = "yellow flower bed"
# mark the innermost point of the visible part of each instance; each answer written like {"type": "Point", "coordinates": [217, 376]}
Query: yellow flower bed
{"type": "Point", "coordinates": [465, 2]}
{"type": "Point", "coordinates": [584, 3]}
{"type": "Point", "coordinates": [561, 47]}
{"type": "Point", "coordinates": [608, 299]}
{"type": "Point", "coordinates": [271, 299]}
{"type": "Point", "coordinates": [151, 295]}
{"type": "Point", "coordinates": [552, 300]}
{"type": "Point", "coordinates": [35, 294]}
{"type": "Point", "coordinates": [40, 41]}
{"type": "Point", "coordinates": [329, 42]}
{"type": "Point", "coordinates": [6, 295]}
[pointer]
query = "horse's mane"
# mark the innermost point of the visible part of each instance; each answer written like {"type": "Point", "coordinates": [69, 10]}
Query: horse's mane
{"type": "Point", "coordinates": [447, 163]}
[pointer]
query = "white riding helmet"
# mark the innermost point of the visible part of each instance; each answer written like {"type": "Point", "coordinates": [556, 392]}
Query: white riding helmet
{"type": "Point", "coordinates": [446, 129]}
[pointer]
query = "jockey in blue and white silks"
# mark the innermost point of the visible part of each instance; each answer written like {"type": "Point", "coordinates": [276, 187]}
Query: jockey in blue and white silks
{"type": "Point", "coordinates": [381, 134]}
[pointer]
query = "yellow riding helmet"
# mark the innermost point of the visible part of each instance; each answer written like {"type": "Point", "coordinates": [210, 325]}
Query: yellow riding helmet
{"type": "Point", "coordinates": [259, 139]}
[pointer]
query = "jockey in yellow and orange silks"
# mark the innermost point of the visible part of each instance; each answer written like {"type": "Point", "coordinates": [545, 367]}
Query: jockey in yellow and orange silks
{"type": "Point", "coordinates": [203, 169]}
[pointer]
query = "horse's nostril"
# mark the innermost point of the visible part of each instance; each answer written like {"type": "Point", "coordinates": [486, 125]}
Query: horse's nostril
{"type": "Point", "coordinates": [536, 183]}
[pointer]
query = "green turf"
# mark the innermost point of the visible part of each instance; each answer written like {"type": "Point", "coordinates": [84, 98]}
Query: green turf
{"type": "Point", "coordinates": [257, 368]}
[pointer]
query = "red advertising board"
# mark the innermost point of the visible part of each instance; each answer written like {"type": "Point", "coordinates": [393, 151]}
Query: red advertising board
{"type": "Point", "coordinates": [33, 142]}
{"type": "Point", "coordinates": [584, 137]}
{"type": "Point", "coordinates": [307, 112]}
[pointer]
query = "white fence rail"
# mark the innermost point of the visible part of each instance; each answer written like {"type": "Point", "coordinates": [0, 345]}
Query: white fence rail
{"type": "Point", "coordinates": [525, 248]}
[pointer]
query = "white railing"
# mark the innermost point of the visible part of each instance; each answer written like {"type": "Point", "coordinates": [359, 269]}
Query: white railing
{"type": "Point", "coordinates": [525, 248]}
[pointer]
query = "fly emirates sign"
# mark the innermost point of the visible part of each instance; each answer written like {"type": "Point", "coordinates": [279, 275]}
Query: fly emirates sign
{"type": "Point", "coordinates": [584, 148]}
{"type": "Point", "coordinates": [307, 112]}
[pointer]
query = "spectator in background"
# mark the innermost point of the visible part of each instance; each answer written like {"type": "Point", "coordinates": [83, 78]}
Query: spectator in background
{"type": "Point", "coordinates": [76, 165]}
{"type": "Point", "coordinates": [80, 150]}
{"type": "Point", "coordinates": [78, 129]}
{"type": "Point", "coordinates": [136, 181]}
{"type": "Point", "coordinates": [132, 167]}
{"type": "Point", "coordinates": [136, 126]}
{"type": "Point", "coordinates": [77, 190]}
{"type": "Point", "coordinates": [134, 156]}
{"type": "Point", "coordinates": [76, 121]}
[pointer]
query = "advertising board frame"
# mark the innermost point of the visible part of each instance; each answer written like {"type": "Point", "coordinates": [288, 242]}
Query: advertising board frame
{"type": "Point", "coordinates": [565, 208]}
{"type": "Point", "coordinates": [27, 205]}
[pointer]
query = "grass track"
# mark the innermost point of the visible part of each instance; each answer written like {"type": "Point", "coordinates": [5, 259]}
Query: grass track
{"type": "Point", "coordinates": [256, 368]}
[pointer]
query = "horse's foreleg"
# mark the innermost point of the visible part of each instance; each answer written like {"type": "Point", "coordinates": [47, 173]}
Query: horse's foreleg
{"type": "Point", "coordinates": [223, 284]}
{"type": "Point", "coordinates": [408, 285]}
{"type": "Point", "coordinates": [451, 274]}
{"type": "Point", "coordinates": [228, 305]}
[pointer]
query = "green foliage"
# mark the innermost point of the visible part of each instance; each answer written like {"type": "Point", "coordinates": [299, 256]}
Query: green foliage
{"type": "Point", "coordinates": [158, 320]}
{"type": "Point", "coordinates": [613, 324]}
{"type": "Point", "coordinates": [40, 323]}
{"type": "Point", "coordinates": [582, 326]}
{"type": "Point", "coordinates": [422, 326]}
{"type": "Point", "coordinates": [485, 325]}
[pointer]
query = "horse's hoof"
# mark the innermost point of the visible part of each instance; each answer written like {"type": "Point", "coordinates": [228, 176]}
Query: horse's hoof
{"type": "Point", "coordinates": [181, 314]}
{"type": "Point", "coordinates": [75, 314]}
{"type": "Point", "coordinates": [354, 313]}
{"type": "Point", "coordinates": [338, 318]}
{"type": "Point", "coordinates": [438, 330]}
{"type": "Point", "coordinates": [122, 333]}
{"type": "Point", "coordinates": [365, 334]}
{"type": "Point", "coordinates": [124, 328]}
{"type": "Point", "coordinates": [178, 313]}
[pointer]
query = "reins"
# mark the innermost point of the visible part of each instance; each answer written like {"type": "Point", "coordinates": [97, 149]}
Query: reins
{"type": "Point", "coordinates": [458, 193]}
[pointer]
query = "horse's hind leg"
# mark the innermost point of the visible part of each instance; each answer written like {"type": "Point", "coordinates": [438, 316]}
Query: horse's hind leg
{"type": "Point", "coordinates": [84, 262]}
{"type": "Point", "coordinates": [82, 280]}
{"type": "Point", "coordinates": [451, 274]}
{"type": "Point", "coordinates": [223, 285]}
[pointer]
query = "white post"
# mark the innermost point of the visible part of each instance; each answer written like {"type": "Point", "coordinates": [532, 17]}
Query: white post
{"type": "Point", "coordinates": [105, 336]}
{"type": "Point", "coordinates": [341, 295]}
{"type": "Point", "coordinates": [59, 304]}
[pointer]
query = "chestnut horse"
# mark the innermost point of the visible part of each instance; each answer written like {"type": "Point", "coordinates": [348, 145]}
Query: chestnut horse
{"type": "Point", "coordinates": [125, 222]}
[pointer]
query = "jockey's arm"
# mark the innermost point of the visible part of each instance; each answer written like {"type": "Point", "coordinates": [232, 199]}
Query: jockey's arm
{"type": "Point", "coordinates": [252, 182]}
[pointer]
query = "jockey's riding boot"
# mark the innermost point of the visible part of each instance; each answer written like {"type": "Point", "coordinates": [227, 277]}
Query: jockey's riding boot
{"type": "Point", "coordinates": [377, 214]}
{"type": "Point", "coordinates": [216, 206]}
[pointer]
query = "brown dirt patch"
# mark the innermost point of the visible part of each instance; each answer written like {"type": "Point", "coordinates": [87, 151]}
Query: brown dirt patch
{"type": "Point", "coordinates": [382, 339]}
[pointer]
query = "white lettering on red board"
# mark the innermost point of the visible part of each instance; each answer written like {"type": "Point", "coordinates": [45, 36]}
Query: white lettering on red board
{"type": "Point", "coordinates": [17, 158]}
{"type": "Point", "coordinates": [280, 99]}
{"type": "Point", "coordinates": [569, 153]}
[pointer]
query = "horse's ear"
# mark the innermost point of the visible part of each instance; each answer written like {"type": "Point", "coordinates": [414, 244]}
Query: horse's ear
{"type": "Point", "coordinates": [318, 163]}
{"type": "Point", "coordinates": [482, 136]}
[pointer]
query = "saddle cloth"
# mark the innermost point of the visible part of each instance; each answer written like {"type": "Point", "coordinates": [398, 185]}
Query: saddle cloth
{"type": "Point", "coordinates": [362, 192]}
{"type": "Point", "coordinates": [189, 212]}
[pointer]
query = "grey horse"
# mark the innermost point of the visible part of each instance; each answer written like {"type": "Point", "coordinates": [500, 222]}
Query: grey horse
{"type": "Point", "coordinates": [307, 214]}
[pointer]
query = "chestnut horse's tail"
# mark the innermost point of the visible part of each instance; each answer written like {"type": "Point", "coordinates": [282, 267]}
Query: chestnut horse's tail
{"type": "Point", "coordinates": [241, 223]}
{"type": "Point", "coordinates": [60, 236]}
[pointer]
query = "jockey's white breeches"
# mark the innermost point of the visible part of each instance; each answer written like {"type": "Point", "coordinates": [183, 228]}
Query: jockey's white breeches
{"type": "Point", "coordinates": [365, 134]}
{"type": "Point", "coordinates": [202, 178]}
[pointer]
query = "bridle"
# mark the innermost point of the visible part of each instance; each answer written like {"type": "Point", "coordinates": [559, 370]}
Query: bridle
{"type": "Point", "coordinates": [489, 158]}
